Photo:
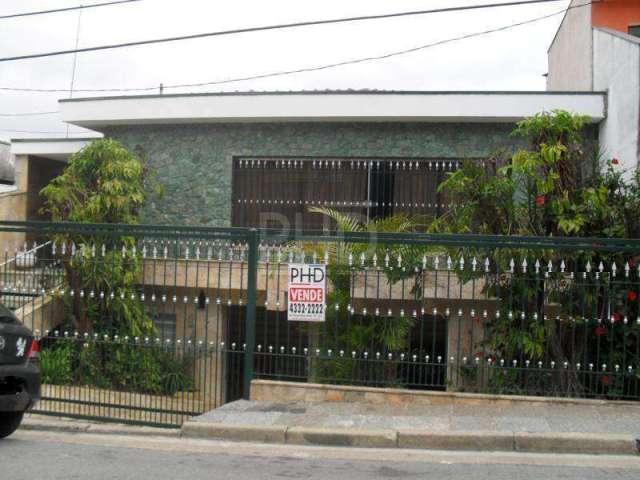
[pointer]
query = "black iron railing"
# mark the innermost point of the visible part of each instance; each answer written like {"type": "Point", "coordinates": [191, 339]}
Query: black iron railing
{"type": "Point", "coordinates": [153, 324]}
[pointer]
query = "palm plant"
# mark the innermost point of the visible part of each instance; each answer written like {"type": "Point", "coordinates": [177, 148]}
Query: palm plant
{"type": "Point", "coordinates": [348, 263]}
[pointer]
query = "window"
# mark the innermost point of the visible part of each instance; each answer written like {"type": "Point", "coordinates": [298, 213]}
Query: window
{"type": "Point", "coordinates": [634, 30]}
{"type": "Point", "coordinates": [277, 192]}
{"type": "Point", "coordinates": [165, 325]}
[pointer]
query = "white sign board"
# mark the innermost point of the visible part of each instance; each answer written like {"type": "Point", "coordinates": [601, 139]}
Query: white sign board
{"type": "Point", "coordinates": [307, 288]}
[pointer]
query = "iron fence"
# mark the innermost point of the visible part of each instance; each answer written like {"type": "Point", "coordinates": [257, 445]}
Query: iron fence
{"type": "Point", "coordinates": [134, 323]}
{"type": "Point", "coordinates": [151, 325]}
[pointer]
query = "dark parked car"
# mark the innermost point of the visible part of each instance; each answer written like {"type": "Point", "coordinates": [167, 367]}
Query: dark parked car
{"type": "Point", "coordinates": [19, 374]}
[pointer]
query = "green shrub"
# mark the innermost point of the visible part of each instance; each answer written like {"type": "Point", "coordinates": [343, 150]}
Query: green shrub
{"type": "Point", "coordinates": [55, 364]}
{"type": "Point", "coordinates": [132, 368]}
{"type": "Point", "coordinates": [115, 366]}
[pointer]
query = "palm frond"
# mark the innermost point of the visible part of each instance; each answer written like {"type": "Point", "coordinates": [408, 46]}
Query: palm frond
{"type": "Point", "coordinates": [344, 222]}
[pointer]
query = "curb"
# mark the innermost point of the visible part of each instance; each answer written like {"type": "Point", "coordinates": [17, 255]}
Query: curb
{"type": "Point", "coordinates": [475, 441]}
{"type": "Point", "coordinates": [588, 443]}
{"type": "Point", "coordinates": [560, 443]}
{"type": "Point", "coordinates": [79, 426]}
{"type": "Point", "coordinates": [342, 437]}
{"type": "Point", "coordinates": [243, 433]}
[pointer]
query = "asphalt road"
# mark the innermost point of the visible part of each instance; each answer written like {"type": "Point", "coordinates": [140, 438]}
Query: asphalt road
{"type": "Point", "coordinates": [43, 455]}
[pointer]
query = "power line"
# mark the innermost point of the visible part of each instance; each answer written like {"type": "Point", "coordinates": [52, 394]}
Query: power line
{"type": "Point", "coordinates": [66, 9]}
{"type": "Point", "coordinates": [27, 114]}
{"type": "Point", "coordinates": [40, 132]}
{"type": "Point", "coordinates": [75, 60]}
{"type": "Point", "coordinates": [364, 59]}
{"type": "Point", "coordinates": [300, 70]}
{"type": "Point", "coordinates": [270, 27]}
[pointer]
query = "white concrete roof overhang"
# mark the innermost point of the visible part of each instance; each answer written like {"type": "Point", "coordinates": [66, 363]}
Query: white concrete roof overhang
{"type": "Point", "coordinates": [365, 106]}
{"type": "Point", "coordinates": [52, 148]}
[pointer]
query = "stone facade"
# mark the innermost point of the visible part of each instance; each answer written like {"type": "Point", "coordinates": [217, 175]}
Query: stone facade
{"type": "Point", "coordinates": [194, 162]}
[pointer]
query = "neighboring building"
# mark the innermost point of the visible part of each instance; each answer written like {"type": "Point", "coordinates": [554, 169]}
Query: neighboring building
{"type": "Point", "coordinates": [35, 162]}
{"type": "Point", "coordinates": [11, 199]}
{"type": "Point", "coordinates": [597, 48]}
{"type": "Point", "coordinates": [6, 167]}
{"type": "Point", "coordinates": [27, 165]}
{"type": "Point", "coordinates": [261, 159]}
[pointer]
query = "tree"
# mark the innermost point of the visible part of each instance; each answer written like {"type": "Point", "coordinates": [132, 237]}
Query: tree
{"type": "Point", "coordinates": [103, 183]}
{"type": "Point", "coordinates": [552, 188]}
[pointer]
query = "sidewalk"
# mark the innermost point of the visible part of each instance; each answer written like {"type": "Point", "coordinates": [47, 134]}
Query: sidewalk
{"type": "Point", "coordinates": [33, 421]}
{"type": "Point", "coordinates": [526, 426]}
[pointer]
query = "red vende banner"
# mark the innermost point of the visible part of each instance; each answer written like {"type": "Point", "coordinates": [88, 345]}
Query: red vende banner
{"type": "Point", "coordinates": [306, 294]}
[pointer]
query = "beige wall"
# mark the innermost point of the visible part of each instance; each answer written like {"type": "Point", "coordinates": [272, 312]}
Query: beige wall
{"type": "Point", "coordinates": [13, 206]}
{"type": "Point", "coordinates": [570, 54]}
{"type": "Point", "coordinates": [31, 175]}
{"type": "Point", "coordinates": [209, 325]}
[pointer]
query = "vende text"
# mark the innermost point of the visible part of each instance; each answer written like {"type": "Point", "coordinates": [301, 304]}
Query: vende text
{"type": "Point", "coordinates": [301, 294]}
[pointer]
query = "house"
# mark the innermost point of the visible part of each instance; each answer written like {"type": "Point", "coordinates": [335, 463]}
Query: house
{"type": "Point", "coordinates": [6, 166]}
{"type": "Point", "coordinates": [9, 196]}
{"type": "Point", "coordinates": [263, 158]}
{"type": "Point", "coordinates": [26, 166]}
{"type": "Point", "coordinates": [597, 48]}
{"type": "Point", "coordinates": [34, 163]}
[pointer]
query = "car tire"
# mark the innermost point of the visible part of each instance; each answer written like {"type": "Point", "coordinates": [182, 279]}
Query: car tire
{"type": "Point", "coordinates": [9, 422]}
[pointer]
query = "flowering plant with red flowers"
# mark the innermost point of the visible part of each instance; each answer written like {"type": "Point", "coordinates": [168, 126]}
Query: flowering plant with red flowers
{"type": "Point", "coordinates": [559, 186]}
{"type": "Point", "coordinates": [599, 331]}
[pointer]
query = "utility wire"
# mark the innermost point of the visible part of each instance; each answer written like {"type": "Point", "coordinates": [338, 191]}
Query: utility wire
{"type": "Point", "coordinates": [66, 9]}
{"type": "Point", "coordinates": [270, 27]}
{"type": "Point", "coordinates": [75, 60]}
{"type": "Point", "coordinates": [364, 59]}
{"type": "Point", "coordinates": [300, 70]}
{"type": "Point", "coordinates": [27, 114]}
{"type": "Point", "coordinates": [40, 131]}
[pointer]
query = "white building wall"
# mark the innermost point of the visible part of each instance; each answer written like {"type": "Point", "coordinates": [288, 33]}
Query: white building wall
{"type": "Point", "coordinates": [617, 71]}
{"type": "Point", "coordinates": [570, 54]}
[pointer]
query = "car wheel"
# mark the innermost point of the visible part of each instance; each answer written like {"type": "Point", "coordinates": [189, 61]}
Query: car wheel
{"type": "Point", "coordinates": [9, 422]}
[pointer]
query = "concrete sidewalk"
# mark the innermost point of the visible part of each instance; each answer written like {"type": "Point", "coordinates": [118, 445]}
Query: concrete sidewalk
{"type": "Point", "coordinates": [524, 426]}
{"type": "Point", "coordinates": [33, 421]}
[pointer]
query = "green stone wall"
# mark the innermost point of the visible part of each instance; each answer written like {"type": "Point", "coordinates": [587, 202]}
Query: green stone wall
{"type": "Point", "coordinates": [194, 162]}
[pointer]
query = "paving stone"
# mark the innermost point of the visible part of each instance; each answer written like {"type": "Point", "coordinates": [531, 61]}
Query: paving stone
{"type": "Point", "coordinates": [534, 417]}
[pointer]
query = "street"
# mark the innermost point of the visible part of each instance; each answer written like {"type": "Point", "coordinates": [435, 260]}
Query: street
{"type": "Point", "coordinates": [48, 455]}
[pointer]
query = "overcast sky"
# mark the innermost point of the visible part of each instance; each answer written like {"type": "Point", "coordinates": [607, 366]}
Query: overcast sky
{"type": "Point", "coordinates": [511, 60]}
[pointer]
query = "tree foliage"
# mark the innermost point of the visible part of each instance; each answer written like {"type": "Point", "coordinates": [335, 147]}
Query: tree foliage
{"type": "Point", "coordinates": [103, 183]}
{"type": "Point", "coordinates": [554, 187]}
{"type": "Point", "coordinates": [347, 264]}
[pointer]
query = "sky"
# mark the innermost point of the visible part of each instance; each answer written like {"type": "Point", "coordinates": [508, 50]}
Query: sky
{"type": "Point", "coordinates": [515, 59]}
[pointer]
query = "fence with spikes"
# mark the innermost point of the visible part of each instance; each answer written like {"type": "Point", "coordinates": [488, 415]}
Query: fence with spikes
{"type": "Point", "coordinates": [151, 324]}
{"type": "Point", "coordinates": [467, 313]}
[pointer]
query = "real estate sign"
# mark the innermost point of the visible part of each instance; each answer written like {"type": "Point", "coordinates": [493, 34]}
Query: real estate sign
{"type": "Point", "coordinates": [307, 288]}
